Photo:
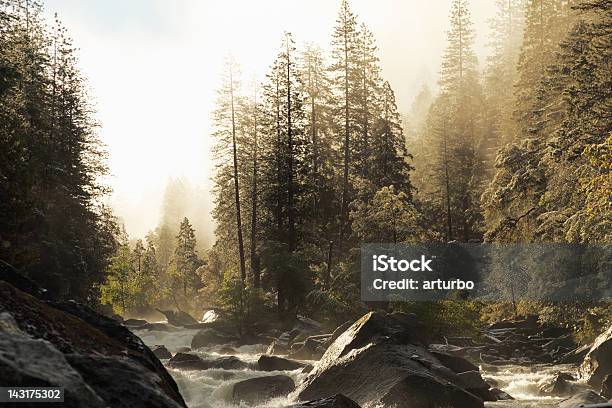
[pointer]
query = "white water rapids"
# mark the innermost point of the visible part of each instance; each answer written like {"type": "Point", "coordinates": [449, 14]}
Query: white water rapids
{"type": "Point", "coordinates": [213, 388]}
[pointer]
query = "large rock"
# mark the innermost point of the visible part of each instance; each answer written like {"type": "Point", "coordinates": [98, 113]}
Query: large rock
{"type": "Point", "coordinates": [379, 360]}
{"type": "Point", "coordinates": [161, 352]}
{"type": "Point", "coordinates": [585, 397]}
{"type": "Point", "coordinates": [455, 363]}
{"type": "Point", "coordinates": [274, 363]}
{"type": "Point", "coordinates": [178, 317]}
{"type": "Point", "coordinates": [79, 334]}
{"type": "Point", "coordinates": [337, 401]}
{"type": "Point", "coordinates": [189, 362]}
{"type": "Point", "coordinates": [207, 338]}
{"type": "Point", "coordinates": [559, 385]}
{"type": "Point", "coordinates": [260, 389]}
{"type": "Point", "coordinates": [598, 361]}
{"type": "Point", "coordinates": [25, 362]}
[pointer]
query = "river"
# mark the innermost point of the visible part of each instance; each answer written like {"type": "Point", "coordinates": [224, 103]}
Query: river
{"type": "Point", "coordinates": [213, 388]}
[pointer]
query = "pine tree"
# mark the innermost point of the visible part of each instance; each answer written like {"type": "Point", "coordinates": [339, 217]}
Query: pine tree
{"type": "Point", "coordinates": [345, 77]}
{"type": "Point", "coordinates": [185, 261]}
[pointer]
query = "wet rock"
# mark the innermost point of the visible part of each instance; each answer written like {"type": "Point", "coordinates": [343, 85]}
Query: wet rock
{"type": "Point", "coordinates": [25, 361]}
{"type": "Point", "coordinates": [500, 395]}
{"type": "Point", "coordinates": [273, 363]}
{"type": "Point", "coordinates": [337, 332]}
{"type": "Point", "coordinates": [337, 401]}
{"type": "Point", "coordinates": [374, 361]}
{"type": "Point", "coordinates": [278, 347]}
{"type": "Point", "coordinates": [183, 349]}
{"type": "Point", "coordinates": [80, 334]}
{"type": "Point", "coordinates": [557, 386]}
{"type": "Point", "coordinates": [121, 382]}
{"type": "Point", "coordinates": [189, 362]}
{"type": "Point", "coordinates": [178, 317]}
{"type": "Point", "coordinates": [455, 363]}
{"type": "Point", "coordinates": [311, 350]}
{"type": "Point", "coordinates": [260, 389]}
{"type": "Point", "coordinates": [135, 322]}
{"type": "Point", "coordinates": [157, 327]}
{"type": "Point", "coordinates": [161, 351]}
{"type": "Point", "coordinates": [598, 361]}
{"type": "Point", "coordinates": [586, 397]}
{"type": "Point", "coordinates": [207, 338]}
{"type": "Point", "coordinates": [472, 381]}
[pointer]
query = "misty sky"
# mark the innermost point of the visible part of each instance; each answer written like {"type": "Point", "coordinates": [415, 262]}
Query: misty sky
{"type": "Point", "coordinates": [154, 65]}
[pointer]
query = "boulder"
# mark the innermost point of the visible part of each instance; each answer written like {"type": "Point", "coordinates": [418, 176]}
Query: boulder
{"type": "Point", "coordinates": [207, 338]}
{"type": "Point", "coordinates": [455, 363]}
{"type": "Point", "coordinates": [375, 361]}
{"type": "Point", "coordinates": [178, 317]}
{"type": "Point", "coordinates": [67, 334]}
{"type": "Point", "coordinates": [134, 322]}
{"type": "Point", "coordinates": [260, 389]}
{"type": "Point", "coordinates": [161, 351]}
{"type": "Point", "coordinates": [337, 401]}
{"type": "Point", "coordinates": [273, 363]}
{"type": "Point", "coordinates": [311, 350]}
{"type": "Point", "coordinates": [183, 349]}
{"type": "Point", "coordinates": [278, 347]}
{"type": "Point", "coordinates": [190, 362]}
{"type": "Point", "coordinates": [121, 382]}
{"type": "Point", "coordinates": [606, 387]}
{"type": "Point", "coordinates": [500, 395]}
{"type": "Point", "coordinates": [557, 386]}
{"type": "Point", "coordinates": [585, 397]}
{"type": "Point", "coordinates": [598, 361]}
{"type": "Point", "coordinates": [25, 362]}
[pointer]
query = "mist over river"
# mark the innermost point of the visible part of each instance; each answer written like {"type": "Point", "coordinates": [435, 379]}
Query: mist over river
{"type": "Point", "coordinates": [213, 388]}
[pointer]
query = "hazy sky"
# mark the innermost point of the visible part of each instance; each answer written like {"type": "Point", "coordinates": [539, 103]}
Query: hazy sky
{"type": "Point", "coordinates": [154, 65]}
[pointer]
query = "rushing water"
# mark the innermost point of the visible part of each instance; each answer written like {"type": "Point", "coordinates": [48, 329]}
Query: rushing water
{"type": "Point", "coordinates": [213, 388]}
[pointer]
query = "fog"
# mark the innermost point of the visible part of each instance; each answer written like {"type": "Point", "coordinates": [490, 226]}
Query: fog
{"type": "Point", "coordinates": [153, 68]}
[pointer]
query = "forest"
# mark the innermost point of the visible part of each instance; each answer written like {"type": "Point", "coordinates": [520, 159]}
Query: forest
{"type": "Point", "coordinates": [315, 160]}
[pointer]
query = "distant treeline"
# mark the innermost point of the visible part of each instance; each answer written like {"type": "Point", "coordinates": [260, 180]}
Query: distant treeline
{"type": "Point", "coordinates": [317, 159]}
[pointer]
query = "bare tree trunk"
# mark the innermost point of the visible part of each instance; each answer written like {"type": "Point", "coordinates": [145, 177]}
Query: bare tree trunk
{"type": "Point", "coordinates": [449, 219]}
{"type": "Point", "coordinates": [236, 185]}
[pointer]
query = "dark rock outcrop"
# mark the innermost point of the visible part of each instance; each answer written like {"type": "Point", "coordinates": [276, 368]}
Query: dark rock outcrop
{"type": "Point", "coordinates": [598, 361]}
{"type": "Point", "coordinates": [188, 362]}
{"type": "Point", "coordinates": [207, 338]}
{"type": "Point", "coordinates": [260, 389]}
{"type": "Point", "coordinates": [380, 359]}
{"type": "Point", "coordinates": [70, 335]}
{"type": "Point", "coordinates": [161, 352]}
{"type": "Point", "coordinates": [274, 363]}
{"type": "Point", "coordinates": [337, 401]}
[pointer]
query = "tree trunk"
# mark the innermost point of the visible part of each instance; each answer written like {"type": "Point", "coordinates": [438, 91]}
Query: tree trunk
{"type": "Point", "coordinates": [291, 211]}
{"type": "Point", "coordinates": [254, 260]}
{"type": "Point", "coordinates": [236, 186]}
{"type": "Point", "coordinates": [344, 201]}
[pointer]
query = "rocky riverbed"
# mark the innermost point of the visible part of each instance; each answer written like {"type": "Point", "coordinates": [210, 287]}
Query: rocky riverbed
{"type": "Point", "coordinates": [381, 360]}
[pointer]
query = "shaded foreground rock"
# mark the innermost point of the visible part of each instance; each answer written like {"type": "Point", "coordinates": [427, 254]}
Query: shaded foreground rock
{"type": "Point", "coordinates": [58, 344]}
{"type": "Point", "coordinates": [337, 401]}
{"type": "Point", "coordinates": [606, 387]}
{"type": "Point", "coordinates": [274, 363]}
{"type": "Point", "coordinates": [598, 361]}
{"type": "Point", "coordinates": [260, 389]}
{"type": "Point", "coordinates": [380, 359]}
